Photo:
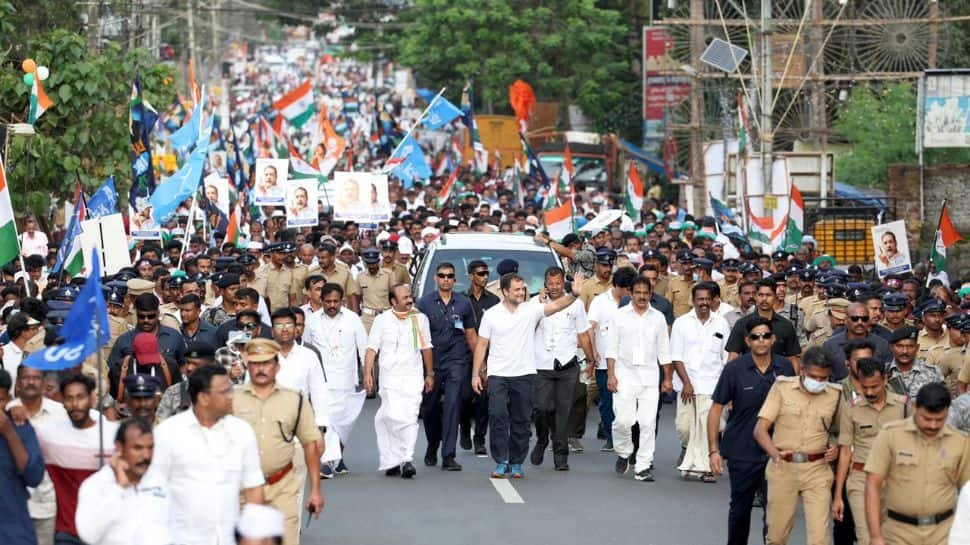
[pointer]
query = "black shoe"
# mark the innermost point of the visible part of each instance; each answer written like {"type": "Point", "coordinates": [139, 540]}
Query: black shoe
{"type": "Point", "coordinates": [341, 468]}
{"type": "Point", "coordinates": [481, 451]}
{"type": "Point", "coordinates": [561, 464]}
{"type": "Point", "coordinates": [538, 452]}
{"type": "Point", "coordinates": [645, 475]}
{"type": "Point", "coordinates": [407, 470]}
{"type": "Point", "coordinates": [600, 432]}
{"type": "Point", "coordinates": [393, 472]}
{"type": "Point", "coordinates": [430, 459]}
{"type": "Point", "coordinates": [449, 464]}
{"type": "Point", "coordinates": [622, 465]}
{"type": "Point", "coordinates": [465, 439]}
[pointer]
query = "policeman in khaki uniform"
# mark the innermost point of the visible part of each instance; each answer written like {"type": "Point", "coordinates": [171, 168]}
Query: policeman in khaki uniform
{"type": "Point", "coordinates": [375, 287]}
{"type": "Point", "coordinates": [136, 287]}
{"type": "Point", "coordinates": [803, 412]}
{"type": "Point", "coordinates": [933, 338]}
{"type": "Point", "coordinates": [603, 280]}
{"type": "Point", "coordinates": [335, 271]}
{"type": "Point", "coordinates": [168, 313]}
{"type": "Point", "coordinates": [953, 358]}
{"type": "Point", "coordinates": [862, 417]}
{"type": "Point", "coordinates": [283, 422]}
{"type": "Point", "coordinates": [919, 465]}
{"type": "Point", "coordinates": [678, 287]}
{"type": "Point", "coordinates": [835, 311]}
{"type": "Point", "coordinates": [277, 278]}
{"type": "Point", "coordinates": [730, 284]}
{"type": "Point", "coordinates": [389, 261]}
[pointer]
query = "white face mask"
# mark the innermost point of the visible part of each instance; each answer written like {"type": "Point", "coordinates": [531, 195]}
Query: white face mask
{"type": "Point", "coordinates": [813, 386]}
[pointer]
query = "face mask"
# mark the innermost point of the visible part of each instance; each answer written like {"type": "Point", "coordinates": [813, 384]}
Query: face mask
{"type": "Point", "coordinates": [813, 386]}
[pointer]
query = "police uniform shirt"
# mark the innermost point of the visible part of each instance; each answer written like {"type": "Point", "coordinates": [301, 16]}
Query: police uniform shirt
{"type": "Point", "coordinates": [801, 420]}
{"type": "Point", "coordinates": [952, 362]}
{"type": "Point", "coordinates": [860, 422]}
{"type": "Point", "coordinates": [340, 276]}
{"type": "Point", "coordinates": [590, 290]}
{"type": "Point", "coordinates": [299, 273]}
{"type": "Point", "coordinates": [678, 292]}
{"type": "Point", "coordinates": [274, 421]}
{"type": "Point", "coordinates": [278, 282]}
{"type": "Point", "coordinates": [745, 388]}
{"type": "Point", "coordinates": [399, 273]}
{"type": "Point", "coordinates": [929, 348]}
{"type": "Point", "coordinates": [448, 323]}
{"type": "Point", "coordinates": [922, 476]}
{"type": "Point", "coordinates": [374, 290]}
{"type": "Point", "coordinates": [786, 340]}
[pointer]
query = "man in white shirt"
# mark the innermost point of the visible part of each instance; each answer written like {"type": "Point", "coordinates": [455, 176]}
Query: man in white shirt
{"type": "Point", "coordinates": [117, 505]}
{"type": "Point", "coordinates": [207, 456]}
{"type": "Point", "coordinates": [40, 410]}
{"type": "Point", "coordinates": [697, 344]}
{"type": "Point", "coordinates": [637, 342]}
{"type": "Point", "coordinates": [32, 241]}
{"type": "Point", "coordinates": [509, 329]}
{"type": "Point", "coordinates": [21, 328]}
{"type": "Point", "coordinates": [557, 339]}
{"type": "Point", "coordinates": [601, 312]}
{"type": "Point", "coordinates": [402, 337]}
{"type": "Point", "coordinates": [338, 334]}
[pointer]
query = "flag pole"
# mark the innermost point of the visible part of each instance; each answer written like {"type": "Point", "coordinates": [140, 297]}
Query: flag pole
{"type": "Point", "coordinates": [418, 122]}
{"type": "Point", "coordinates": [185, 239]}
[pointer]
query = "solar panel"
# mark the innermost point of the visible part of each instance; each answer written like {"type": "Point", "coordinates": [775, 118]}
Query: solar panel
{"type": "Point", "coordinates": [723, 56]}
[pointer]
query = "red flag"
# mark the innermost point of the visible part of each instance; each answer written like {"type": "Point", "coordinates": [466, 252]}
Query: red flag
{"type": "Point", "coordinates": [948, 233]}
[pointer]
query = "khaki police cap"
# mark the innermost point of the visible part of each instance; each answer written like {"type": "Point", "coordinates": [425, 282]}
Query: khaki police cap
{"type": "Point", "coordinates": [260, 349]}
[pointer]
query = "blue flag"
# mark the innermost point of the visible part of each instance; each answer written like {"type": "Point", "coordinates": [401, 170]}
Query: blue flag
{"type": "Point", "coordinates": [85, 328]}
{"type": "Point", "coordinates": [141, 121]}
{"type": "Point", "coordinates": [105, 201]}
{"type": "Point", "coordinates": [188, 133]}
{"type": "Point", "coordinates": [427, 94]}
{"type": "Point", "coordinates": [181, 185]}
{"type": "Point", "coordinates": [409, 162]}
{"type": "Point", "coordinates": [440, 113]}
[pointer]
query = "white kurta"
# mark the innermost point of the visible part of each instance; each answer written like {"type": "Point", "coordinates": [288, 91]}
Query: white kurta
{"type": "Point", "coordinates": [108, 514]}
{"type": "Point", "coordinates": [402, 381]}
{"type": "Point", "coordinates": [300, 370]}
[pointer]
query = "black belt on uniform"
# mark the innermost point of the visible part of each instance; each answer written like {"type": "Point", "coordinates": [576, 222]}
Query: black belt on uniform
{"type": "Point", "coordinates": [927, 520]}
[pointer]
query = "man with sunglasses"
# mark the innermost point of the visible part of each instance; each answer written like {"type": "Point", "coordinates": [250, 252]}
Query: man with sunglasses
{"type": "Point", "coordinates": [744, 384]}
{"type": "Point", "coordinates": [856, 329]}
{"type": "Point", "coordinates": [453, 338]}
{"type": "Point", "coordinates": [475, 407]}
{"type": "Point", "coordinates": [171, 345]}
{"type": "Point", "coordinates": [283, 420]}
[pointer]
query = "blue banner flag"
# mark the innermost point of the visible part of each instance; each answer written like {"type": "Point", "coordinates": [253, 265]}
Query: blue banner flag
{"type": "Point", "coordinates": [427, 94]}
{"type": "Point", "coordinates": [181, 185]}
{"type": "Point", "coordinates": [105, 201]}
{"type": "Point", "coordinates": [85, 328]}
{"type": "Point", "coordinates": [409, 162]}
{"type": "Point", "coordinates": [440, 113]}
{"type": "Point", "coordinates": [141, 121]}
{"type": "Point", "coordinates": [188, 133]}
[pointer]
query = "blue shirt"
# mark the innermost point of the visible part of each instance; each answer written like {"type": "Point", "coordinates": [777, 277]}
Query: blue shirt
{"type": "Point", "coordinates": [15, 524]}
{"type": "Point", "coordinates": [742, 384]}
{"type": "Point", "coordinates": [448, 323]}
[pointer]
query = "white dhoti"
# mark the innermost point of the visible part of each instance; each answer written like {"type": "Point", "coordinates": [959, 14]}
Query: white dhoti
{"type": "Point", "coordinates": [396, 421]}
{"type": "Point", "coordinates": [691, 423]}
{"type": "Point", "coordinates": [345, 406]}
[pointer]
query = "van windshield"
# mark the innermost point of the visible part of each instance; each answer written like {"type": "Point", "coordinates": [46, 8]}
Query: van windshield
{"type": "Point", "coordinates": [532, 266]}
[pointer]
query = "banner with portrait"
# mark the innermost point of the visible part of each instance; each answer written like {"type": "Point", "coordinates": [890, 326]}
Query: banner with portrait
{"type": "Point", "coordinates": [271, 176]}
{"type": "Point", "coordinates": [360, 197]}
{"type": "Point", "coordinates": [891, 249]}
{"type": "Point", "coordinates": [301, 203]}
{"type": "Point", "coordinates": [142, 225]}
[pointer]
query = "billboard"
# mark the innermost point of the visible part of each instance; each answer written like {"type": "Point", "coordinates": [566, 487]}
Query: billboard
{"type": "Point", "coordinates": [664, 86]}
{"type": "Point", "coordinates": [946, 109]}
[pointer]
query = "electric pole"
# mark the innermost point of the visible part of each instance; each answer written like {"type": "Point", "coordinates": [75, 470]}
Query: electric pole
{"type": "Point", "coordinates": [766, 133]}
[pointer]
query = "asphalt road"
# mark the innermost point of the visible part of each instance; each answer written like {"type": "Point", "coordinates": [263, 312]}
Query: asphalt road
{"type": "Point", "coordinates": [589, 504]}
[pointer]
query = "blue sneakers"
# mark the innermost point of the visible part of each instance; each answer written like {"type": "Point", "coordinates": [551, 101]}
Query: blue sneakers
{"type": "Point", "coordinates": [500, 470]}
{"type": "Point", "coordinates": [326, 471]}
{"type": "Point", "coordinates": [516, 471]}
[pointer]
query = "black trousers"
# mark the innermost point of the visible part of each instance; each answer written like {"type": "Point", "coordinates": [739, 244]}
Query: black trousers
{"type": "Point", "coordinates": [577, 416]}
{"type": "Point", "coordinates": [843, 532]}
{"type": "Point", "coordinates": [440, 408]}
{"type": "Point", "coordinates": [510, 417]}
{"type": "Point", "coordinates": [555, 392]}
{"type": "Point", "coordinates": [474, 410]}
{"type": "Point", "coordinates": [746, 479]}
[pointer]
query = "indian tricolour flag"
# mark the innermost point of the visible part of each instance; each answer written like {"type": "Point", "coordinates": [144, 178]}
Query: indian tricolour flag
{"type": "Point", "coordinates": [795, 227]}
{"type": "Point", "coordinates": [297, 105]}
{"type": "Point", "coordinates": [301, 170]}
{"type": "Point", "coordinates": [9, 246]}
{"type": "Point", "coordinates": [233, 231]}
{"type": "Point", "coordinates": [39, 103]}
{"type": "Point", "coordinates": [446, 190]}
{"type": "Point", "coordinates": [634, 193]}
{"type": "Point", "coordinates": [559, 220]}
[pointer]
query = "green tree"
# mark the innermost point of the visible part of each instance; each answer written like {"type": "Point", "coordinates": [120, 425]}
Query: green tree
{"type": "Point", "coordinates": [879, 121]}
{"type": "Point", "coordinates": [573, 53]}
{"type": "Point", "coordinates": [84, 136]}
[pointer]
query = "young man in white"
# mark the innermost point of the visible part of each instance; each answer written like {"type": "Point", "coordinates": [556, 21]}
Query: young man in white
{"type": "Point", "coordinates": [636, 343]}
{"type": "Point", "coordinates": [338, 333]}
{"type": "Point", "coordinates": [697, 344]}
{"type": "Point", "coordinates": [403, 339]}
{"type": "Point", "coordinates": [507, 335]}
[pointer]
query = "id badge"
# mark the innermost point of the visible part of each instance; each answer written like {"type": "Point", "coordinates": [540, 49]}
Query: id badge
{"type": "Point", "coordinates": [459, 324]}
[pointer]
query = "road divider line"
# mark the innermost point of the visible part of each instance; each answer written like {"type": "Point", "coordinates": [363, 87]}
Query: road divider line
{"type": "Point", "coordinates": [506, 491]}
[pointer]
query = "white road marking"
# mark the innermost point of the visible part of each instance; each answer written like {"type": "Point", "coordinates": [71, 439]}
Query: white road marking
{"type": "Point", "coordinates": [507, 491]}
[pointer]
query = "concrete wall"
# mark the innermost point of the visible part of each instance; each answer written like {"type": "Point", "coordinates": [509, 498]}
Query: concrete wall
{"type": "Point", "coordinates": [950, 182]}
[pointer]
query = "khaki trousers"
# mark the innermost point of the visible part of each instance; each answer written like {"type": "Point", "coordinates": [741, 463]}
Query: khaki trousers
{"type": "Point", "coordinates": [786, 482]}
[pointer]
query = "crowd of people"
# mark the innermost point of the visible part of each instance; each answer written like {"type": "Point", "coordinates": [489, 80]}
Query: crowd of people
{"type": "Point", "coordinates": [235, 373]}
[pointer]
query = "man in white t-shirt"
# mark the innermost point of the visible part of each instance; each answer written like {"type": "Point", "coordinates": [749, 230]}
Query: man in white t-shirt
{"type": "Point", "coordinates": [636, 343]}
{"type": "Point", "coordinates": [557, 339]}
{"type": "Point", "coordinates": [32, 241]}
{"type": "Point", "coordinates": [507, 335]}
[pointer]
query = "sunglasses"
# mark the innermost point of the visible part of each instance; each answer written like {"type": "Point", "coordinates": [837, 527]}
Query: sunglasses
{"type": "Point", "coordinates": [859, 318]}
{"type": "Point", "coordinates": [248, 327]}
{"type": "Point", "coordinates": [147, 316]}
{"type": "Point", "coordinates": [760, 336]}
{"type": "Point", "coordinates": [481, 273]}
{"type": "Point", "coordinates": [448, 276]}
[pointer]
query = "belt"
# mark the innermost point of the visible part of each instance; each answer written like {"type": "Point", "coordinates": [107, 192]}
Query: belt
{"type": "Point", "coordinates": [801, 457]}
{"type": "Point", "coordinates": [926, 520]}
{"type": "Point", "coordinates": [563, 366]}
{"type": "Point", "coordinates": [278, 476]}
{"type": "Point", "coordinates": [859, 466]}
{"type": "Point", "coordinates": [370, 311]}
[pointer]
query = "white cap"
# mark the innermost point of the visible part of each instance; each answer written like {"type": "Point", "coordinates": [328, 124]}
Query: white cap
{"type": "Point", "coordinates": [384, 235]}
{"type": "Point", "coordinates": [429, 231]}
{"type": "Point", "coordinates": [260, 522]}
{"type": "Point", "coordinates": [434, 220]}
{"type": "Point", "coordinates": [345, 247]}
{"type": "Point", "coordinates": [453, 223]}
{"type": "Point", "coordinates": [405, 246]}
{"type": "Point", "coordinates": [809, 238]}
{"type": "Point", "coordinates": [278, 214]}
{"type": "Point", "coordinates": [532, 220]}
{"type": "Point", "coordinates": [254, 245]}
